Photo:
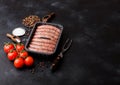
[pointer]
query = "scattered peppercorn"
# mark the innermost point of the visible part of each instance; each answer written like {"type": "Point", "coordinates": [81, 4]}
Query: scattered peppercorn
{"type": "Point", "coordinates": [30, 21]}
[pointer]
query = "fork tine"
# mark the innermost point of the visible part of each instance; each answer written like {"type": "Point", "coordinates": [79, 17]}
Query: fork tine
{"type": "Point", "coordinates": [67, 44]}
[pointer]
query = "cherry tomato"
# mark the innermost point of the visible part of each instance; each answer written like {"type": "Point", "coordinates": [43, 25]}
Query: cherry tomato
{"type": "Point", "coordinates": [8, 47]}
{"type": "Point", "coordinates": [19, 62]}
{"type": "Point", "coordinates": [23, 54]}
{"type": "Point", "coordinates": [12, 55]}
{"type": "Point", "coordinates": [29, 61]}
{"type": "Point", "coordinates": [20, 47]}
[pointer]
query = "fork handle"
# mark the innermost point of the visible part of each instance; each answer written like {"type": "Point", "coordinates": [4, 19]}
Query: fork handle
{"type": "Point", "coordinates": [55, 62]}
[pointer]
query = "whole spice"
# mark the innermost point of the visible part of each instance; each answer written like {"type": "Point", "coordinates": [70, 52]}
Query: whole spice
{"type": "Point", "coordinates": [30, 21]}
{"type": "Point", "coordinates": [40, 67]}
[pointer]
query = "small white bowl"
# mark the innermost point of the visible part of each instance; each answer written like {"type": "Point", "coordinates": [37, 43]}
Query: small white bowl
{"type": "Point", "coordinates": [19, 31]}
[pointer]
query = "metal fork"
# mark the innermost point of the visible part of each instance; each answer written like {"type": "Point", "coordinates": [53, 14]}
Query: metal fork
{"type": "Point", "coordinates": [65, 47]}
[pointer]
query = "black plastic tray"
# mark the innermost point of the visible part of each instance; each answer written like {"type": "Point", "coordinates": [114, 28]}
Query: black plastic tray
{"type": "Point", "coordinates": [32, 34]}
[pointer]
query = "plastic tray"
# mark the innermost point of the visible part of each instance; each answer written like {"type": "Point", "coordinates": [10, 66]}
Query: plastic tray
{"type": "Point", "coordinates": [32, 34]}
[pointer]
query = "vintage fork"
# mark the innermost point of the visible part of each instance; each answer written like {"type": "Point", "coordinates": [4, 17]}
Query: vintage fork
{"type": "Point", "coordinates": [65, 47]}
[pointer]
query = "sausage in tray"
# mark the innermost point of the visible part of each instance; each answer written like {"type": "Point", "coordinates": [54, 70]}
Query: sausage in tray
{"type": "Point", "coordinates": [44, 38]}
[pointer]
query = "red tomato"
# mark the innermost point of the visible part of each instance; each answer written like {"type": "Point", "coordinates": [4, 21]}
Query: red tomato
{"type": "Point", "coordinates": [29, 61]}
{"type": "Point", "coordinates": [8, 47]}
{"type": "Point", "coordinates": [19, 62]}
{"type": "Point", "coordinates": [12, 54]}
{"type": "Point", "coordinates": [23, 54]}
{"type": "Point", "coordinates": [20, 47]}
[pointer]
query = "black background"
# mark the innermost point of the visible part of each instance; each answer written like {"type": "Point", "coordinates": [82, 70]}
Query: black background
{"type": "Point", "coordinates": [94, 27]}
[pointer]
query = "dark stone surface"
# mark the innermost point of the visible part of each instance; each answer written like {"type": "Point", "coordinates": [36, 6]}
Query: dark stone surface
{"type": "Point", "coordinates": [94, 26]}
